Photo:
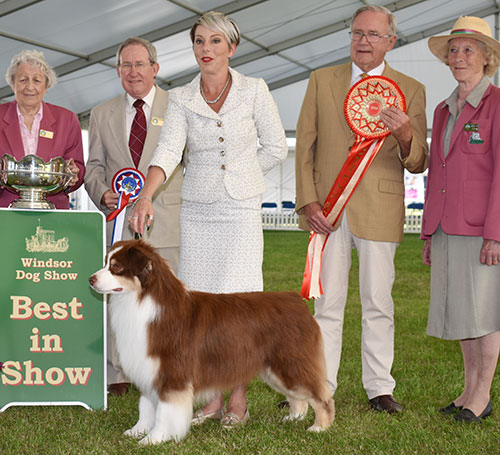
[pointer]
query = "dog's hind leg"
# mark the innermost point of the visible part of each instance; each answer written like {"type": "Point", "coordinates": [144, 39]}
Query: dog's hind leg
{"type": "Point", "coordinates": [147, 410]}
{"type": "Point", "coordinates": [173, 417]}
{"type": "Point", "coordinates": [298, 409]}
{"type": "Point", "coordinates": [324, 412]}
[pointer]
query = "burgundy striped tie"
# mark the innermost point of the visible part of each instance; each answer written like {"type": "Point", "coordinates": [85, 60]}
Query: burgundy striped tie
{"type": "Point", "coordinates": [137, 133]}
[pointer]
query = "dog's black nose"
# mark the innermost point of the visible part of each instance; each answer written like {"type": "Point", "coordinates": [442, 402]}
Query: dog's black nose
{"type": "Point", "coordinates": [92, 280]}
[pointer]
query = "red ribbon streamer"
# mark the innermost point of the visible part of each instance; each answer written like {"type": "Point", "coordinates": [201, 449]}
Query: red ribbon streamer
{"type": "Point", "coordinates": [122, 203]}
{"type": "Point", "coordinates": [340, 193]}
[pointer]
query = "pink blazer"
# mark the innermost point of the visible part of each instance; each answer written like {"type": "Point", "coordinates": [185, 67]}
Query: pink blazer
{"type": "Point", "coordinates": [463, 189]}
{"type": "Point", "coordinates": [66, 142]}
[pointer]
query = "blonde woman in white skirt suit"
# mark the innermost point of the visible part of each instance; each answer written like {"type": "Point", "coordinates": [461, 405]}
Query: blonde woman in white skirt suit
{"type": "Point", "coordinates": [232, 129]}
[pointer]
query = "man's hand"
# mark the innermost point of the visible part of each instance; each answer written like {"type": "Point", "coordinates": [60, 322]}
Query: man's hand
{"type": "Point", "coordinates": [399, 126]}
{"type": "Point", "coordinates": [110, 199]}
{"type": "Point", "coordinates": [317, 221]}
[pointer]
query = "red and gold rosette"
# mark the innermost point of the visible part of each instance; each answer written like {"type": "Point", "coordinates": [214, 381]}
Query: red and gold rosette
{"type": "Point", "coordinates": [362, 107]}
{"type": "Point", "coordinates": [366, 100]}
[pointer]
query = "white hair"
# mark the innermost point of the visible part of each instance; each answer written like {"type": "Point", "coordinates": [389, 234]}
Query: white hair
{"type": "Point", "coordinates": [35, 58]}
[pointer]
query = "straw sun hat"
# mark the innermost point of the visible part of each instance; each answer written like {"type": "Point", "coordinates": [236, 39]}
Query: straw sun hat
{"type": "Point", "coordinates": [468, 27]}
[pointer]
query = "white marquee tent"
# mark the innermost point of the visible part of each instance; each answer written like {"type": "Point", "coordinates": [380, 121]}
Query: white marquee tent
{"type": "Point", "coordinates": [283, 41]}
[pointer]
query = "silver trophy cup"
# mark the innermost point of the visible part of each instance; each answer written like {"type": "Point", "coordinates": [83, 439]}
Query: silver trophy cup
{"type": "Point", "coordinates": [34, 179]}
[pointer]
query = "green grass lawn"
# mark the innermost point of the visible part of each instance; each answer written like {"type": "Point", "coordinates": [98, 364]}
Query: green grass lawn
{"type": "Point", "coordinates": [428, 374]}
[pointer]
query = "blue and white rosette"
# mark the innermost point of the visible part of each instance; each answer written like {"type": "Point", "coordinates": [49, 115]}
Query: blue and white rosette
{"type": "Point", "coordinates": [128, 183]}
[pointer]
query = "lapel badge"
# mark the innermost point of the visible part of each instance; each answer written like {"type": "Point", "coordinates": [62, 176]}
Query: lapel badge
{"type": "Point", "coordinates": [471, 127]}
{"type": "Point", "coordinates": [155, 121]}
{"type": "Point", "coordinates": [475, 138]}
{"type": "Point", "coordinates": [47, 134]}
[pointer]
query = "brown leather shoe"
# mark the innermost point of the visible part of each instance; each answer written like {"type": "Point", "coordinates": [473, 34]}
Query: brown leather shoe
{"type": "Point", "coordinates": [386, 403]}
{"type": "Point", "coordinates": [118, 389]}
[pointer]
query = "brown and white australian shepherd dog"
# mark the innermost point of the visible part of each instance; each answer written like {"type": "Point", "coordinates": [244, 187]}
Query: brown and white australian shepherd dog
{"type": "Point", "coordinates": [175, 344]}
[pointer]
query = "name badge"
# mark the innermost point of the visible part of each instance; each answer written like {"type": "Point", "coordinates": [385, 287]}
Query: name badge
{"type": "Point", "coordinates": [155, 121]}
{"type": "Point", "coordinates": [47, 134]}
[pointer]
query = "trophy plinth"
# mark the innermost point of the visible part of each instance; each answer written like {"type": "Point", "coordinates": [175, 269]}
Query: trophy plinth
{"type": "Point", "coordinates": [34, 179]}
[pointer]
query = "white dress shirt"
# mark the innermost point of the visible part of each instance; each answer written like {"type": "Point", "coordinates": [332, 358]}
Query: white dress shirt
{"type": "Point", "coordinates": [356, 72]}
{"type": "Point", "coordinates": [130, 109]}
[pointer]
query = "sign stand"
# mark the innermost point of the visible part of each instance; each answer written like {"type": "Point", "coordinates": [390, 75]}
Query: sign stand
{"type": "Point", "coordinates": [52, 324]}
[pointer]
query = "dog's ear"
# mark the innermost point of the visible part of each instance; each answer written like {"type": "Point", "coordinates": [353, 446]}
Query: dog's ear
{"type": "Point", "coordinates": [140, 264]}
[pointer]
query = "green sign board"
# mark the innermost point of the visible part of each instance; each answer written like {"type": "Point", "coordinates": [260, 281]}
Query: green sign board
{"type": "Point", "coordinates": [52, 325]}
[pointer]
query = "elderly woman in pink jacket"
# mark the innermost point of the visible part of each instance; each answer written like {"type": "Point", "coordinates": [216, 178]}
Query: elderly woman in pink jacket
{"type": "Point", "coordinates": [30, 126]}
{"type": "Point", "coordinates": [461, 224]}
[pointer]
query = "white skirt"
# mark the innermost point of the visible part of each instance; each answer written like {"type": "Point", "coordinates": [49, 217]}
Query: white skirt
{"type": "Point", "coordinates": [222, 245]}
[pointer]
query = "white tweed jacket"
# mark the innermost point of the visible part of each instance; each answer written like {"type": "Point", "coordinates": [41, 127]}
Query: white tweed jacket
{"type": "Point", "coordinates": [228, 151]}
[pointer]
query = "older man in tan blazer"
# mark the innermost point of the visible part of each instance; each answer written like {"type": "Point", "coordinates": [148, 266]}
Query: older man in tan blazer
{"type": "Point", "coordinates": [110, 128]}
{"type": "Point", "coordinates": [373, 218]}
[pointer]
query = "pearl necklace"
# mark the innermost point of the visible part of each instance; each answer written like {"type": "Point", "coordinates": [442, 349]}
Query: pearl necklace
{"type": "Point", "coordinates": [220, 94]}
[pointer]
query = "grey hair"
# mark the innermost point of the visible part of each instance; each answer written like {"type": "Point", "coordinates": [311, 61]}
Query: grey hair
{"type": "Point", "coordinates": [488, 53]}
{"type": "Point", "coordinates": [219, 22]}
{"type": "Point", "coordinates": [35, 58]}
{"type": "Point", "coordinates": [152, 54]}
{"type": "Point", "coordinates": [493, 61]}
{"type": "Point", "coordinates": [378, 9]}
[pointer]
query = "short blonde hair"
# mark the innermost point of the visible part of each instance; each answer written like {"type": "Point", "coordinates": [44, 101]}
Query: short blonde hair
{"type": "Point", "coordinates": [218, 22]}
{"type": "Point", "coordinates": [35, 58]}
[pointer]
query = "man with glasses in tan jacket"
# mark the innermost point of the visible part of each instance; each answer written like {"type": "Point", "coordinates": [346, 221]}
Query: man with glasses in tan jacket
{"type": "Point", "coordinates": [373, 219]}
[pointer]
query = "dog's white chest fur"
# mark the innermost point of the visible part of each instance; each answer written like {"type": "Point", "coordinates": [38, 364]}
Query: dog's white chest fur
{"type": "Point", "coordinates": [130, 320]}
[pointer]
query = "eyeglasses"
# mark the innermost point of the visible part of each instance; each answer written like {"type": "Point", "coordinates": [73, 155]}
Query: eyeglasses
{"type": "Point", "coordinates": [371, 37]}
{"type": "Point", "coordinates": [139, 66]}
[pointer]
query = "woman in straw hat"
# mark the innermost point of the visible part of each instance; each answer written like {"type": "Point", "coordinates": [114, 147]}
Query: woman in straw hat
{"type": "Point", "coordinates": [462, 212]}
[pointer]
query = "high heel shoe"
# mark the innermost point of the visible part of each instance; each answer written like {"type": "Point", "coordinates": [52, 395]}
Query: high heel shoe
{"type": "Point", "coordinates": [466, 415]}
{"type": "Point", "coordinates": [450, 409]}
{"type": "Point", "coordinates": [199, 417]}
{"type": "Point", "coordinates": [231, 420]}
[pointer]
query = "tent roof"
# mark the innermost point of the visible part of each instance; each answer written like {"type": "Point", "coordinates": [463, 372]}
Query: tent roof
{"type": "Point", "coordinates": [283, 40]}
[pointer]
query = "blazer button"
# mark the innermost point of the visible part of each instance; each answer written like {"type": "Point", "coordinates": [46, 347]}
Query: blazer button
{"type": "Point", "coordinates": [443, 164]}
{"type": "Point", "coordinates": [221, 139]}
{"type": "Point", "coordinates": [222, 153]}
{"type": "Point", "coordinates": [443, 190]}
{"type": "Point", "coordinates": [219, 124]}
{"type": "Point", "coordinates": [223, 167]}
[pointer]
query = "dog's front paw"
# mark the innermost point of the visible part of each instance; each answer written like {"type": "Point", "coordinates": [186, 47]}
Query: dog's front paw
{"type": "Point", "coordinates": [146, 441]}
{"type": "Point", "coordinates": [155, 437]}
{"type": "Point", "coordinates": [136, 431]}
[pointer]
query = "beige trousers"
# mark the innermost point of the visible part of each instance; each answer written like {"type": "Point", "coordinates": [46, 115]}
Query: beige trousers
{"type": "Point", "coordinates": [376, 277]}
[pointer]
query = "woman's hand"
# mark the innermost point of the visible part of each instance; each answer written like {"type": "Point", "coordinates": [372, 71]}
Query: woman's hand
{"type": "Point", "coordinates": [74, 169]}
{"type": "Point", "coordinates": [426, 252]}
{"type": "Point", "coordinates": [142, 214]}
{"type": "Point", "coordinates": [490, 252]}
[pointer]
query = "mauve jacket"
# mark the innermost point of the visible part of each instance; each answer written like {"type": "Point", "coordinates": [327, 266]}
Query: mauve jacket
{"type": "Point", "coordinates": [463, 189]}
{"type": "Point", "coordinates": [66, 142]}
